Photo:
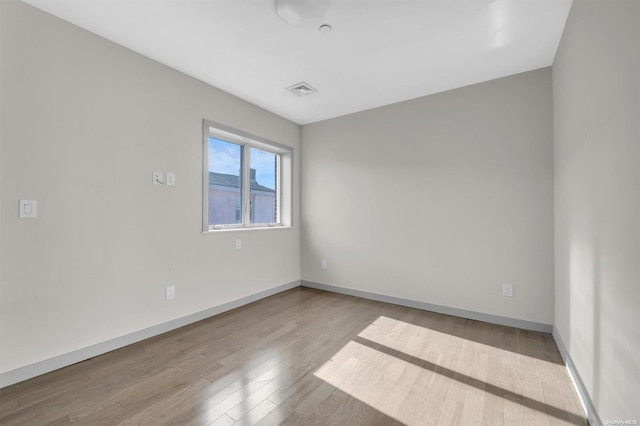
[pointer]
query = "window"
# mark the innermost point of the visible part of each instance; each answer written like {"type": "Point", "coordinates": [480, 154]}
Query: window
{"type": "Point", "coordinates": [247, 180]}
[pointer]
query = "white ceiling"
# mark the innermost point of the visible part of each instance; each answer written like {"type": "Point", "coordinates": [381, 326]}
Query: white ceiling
{"type": "Point", "coordinates": [379, 52]}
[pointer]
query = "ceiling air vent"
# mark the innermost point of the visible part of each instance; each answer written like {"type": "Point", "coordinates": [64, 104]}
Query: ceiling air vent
{"type": "Point", "coordinates": [301, 89]}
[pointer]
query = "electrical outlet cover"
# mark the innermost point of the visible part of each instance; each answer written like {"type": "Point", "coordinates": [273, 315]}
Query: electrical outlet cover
{"type": "Point", "coordinates": [507, 290]}
{"type": "Point", "coordinates": [170, 292]}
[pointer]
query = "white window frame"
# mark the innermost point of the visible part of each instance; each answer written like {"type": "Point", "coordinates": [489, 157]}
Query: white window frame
{"type": "Point", "coordinates": [283, 177]}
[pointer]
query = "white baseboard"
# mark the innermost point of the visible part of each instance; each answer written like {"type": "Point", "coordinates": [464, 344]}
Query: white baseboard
{"type": "Point", "coordinates": [36, 369]}
{"type": "Point", "coordinates": [29, 371]}
{"type": "Point", "coordinates": [585, 399]}
{"type": "Point", "coordinates": [463, 313]}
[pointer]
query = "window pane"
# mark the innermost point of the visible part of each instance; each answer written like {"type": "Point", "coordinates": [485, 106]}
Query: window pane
{"type": "Point", "coordinates": [264, 178]}
{"type": "Point", "coordinates": [225, 182]}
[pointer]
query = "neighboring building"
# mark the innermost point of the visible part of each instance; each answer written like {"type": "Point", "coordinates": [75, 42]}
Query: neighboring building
{"type": "Point", "coordinates": [225, 205]}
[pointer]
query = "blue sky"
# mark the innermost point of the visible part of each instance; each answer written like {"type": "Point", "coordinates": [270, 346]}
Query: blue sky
{"type": "Point", "coordinates": [224, 157]}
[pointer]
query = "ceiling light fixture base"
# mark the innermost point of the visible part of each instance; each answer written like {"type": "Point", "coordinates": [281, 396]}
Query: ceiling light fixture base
{"type": "Point", "coordinates": [302, 13]}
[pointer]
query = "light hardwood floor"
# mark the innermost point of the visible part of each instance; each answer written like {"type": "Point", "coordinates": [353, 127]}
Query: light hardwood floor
{"type": "Point", "coordinates": [306, 357]}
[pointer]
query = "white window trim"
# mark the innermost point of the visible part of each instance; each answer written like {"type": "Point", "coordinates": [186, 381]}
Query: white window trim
{"type": "Point", "coordinates": [284, 177]}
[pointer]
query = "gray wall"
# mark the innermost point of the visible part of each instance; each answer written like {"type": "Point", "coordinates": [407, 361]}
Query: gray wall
{"type": "Point", "coordinates": [84, 124]}
{"type": "Point", "coordinates": [597, 200]}
{"type": "Point", "coordinates": [440, 199]}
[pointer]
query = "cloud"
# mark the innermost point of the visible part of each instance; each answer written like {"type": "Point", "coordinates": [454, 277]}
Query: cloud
{"type": "Point", "coordinates": [225, 157]}
{"type": "Point", "coordinates": [265, 165]}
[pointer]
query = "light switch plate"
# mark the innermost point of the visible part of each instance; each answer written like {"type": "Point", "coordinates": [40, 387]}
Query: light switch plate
{"type": "Point", "coordinates": [171, 179]}
{"type": "Point", "coordinates": [27, 209]}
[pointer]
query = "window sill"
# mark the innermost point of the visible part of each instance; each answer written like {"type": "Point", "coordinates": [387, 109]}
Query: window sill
{"type": "Point", "coordinates": [257, 228]}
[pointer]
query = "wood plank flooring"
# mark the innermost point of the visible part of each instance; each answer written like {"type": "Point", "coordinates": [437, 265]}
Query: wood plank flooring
{"type": "Point", "coordinates": [309, 357]}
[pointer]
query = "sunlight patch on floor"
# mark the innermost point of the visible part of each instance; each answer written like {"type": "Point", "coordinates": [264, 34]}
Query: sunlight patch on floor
{"type": "Point", "coordinates": [421, 376]}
